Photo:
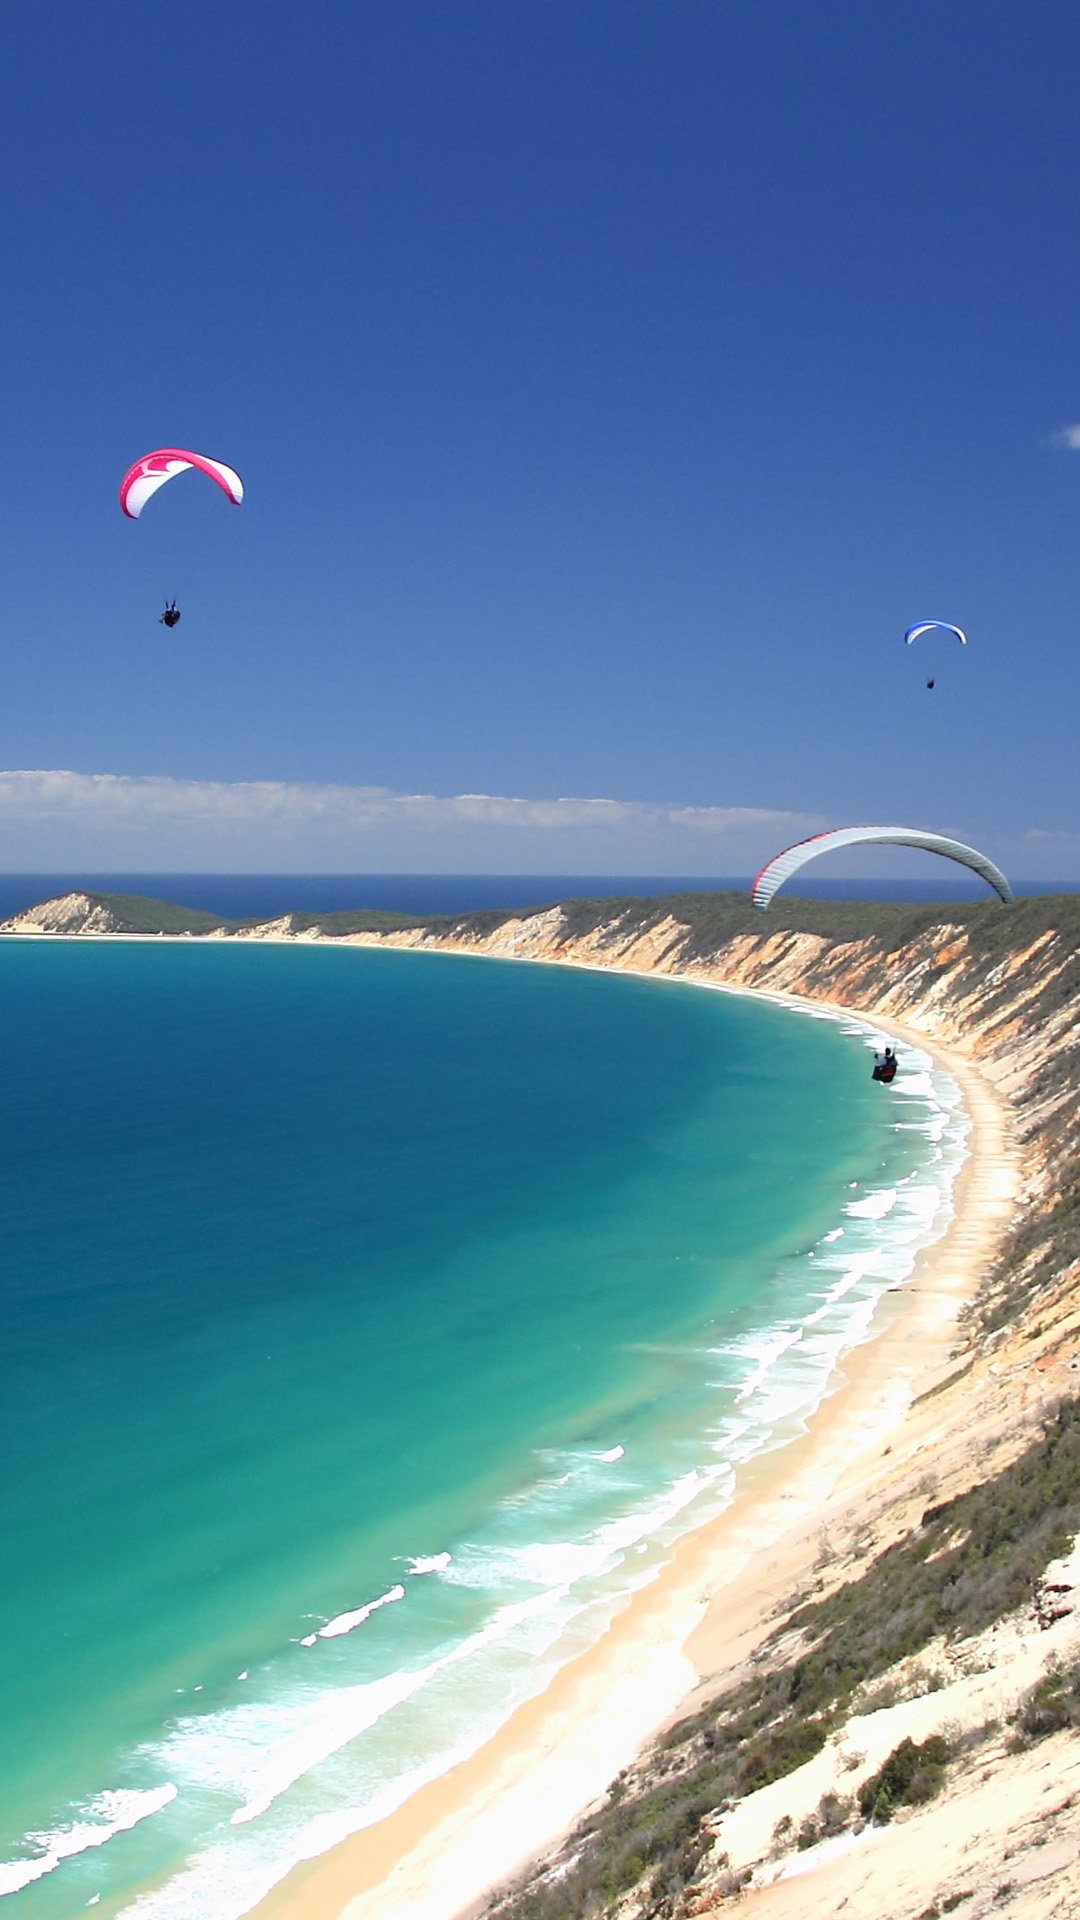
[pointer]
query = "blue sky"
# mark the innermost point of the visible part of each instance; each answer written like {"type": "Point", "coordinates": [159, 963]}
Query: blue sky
{"type": "Point", "coordinates": [612, 383]}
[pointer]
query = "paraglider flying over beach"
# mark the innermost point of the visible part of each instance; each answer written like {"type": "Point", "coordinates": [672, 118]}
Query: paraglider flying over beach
{"type": "Point", "coordinates": [154, 470]}
{"type": "Point", "coordinates": [785, 864]}
{"type": "Point", "coordinates": [934, 626]}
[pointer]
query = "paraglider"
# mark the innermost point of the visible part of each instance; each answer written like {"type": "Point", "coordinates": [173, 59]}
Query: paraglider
{"type": "Point", "coordinates": [934, 626]}
{"type": "Point", "coordinates": [154, 470]}
{"type": "Point", "coordinates": [785, 864]}
{"type": "Point", "coordinates": [885, 1065]}
{"type": "Point", "coordinates": [142, 481]}
{"type": "Point", "coordinates": [931, 626]}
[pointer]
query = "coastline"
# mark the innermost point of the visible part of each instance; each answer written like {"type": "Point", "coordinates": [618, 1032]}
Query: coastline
{"type": "Point", "coordinates": [473, 1827]}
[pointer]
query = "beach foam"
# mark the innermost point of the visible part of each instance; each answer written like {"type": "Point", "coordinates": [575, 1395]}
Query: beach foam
{"type": "Point", "coordinates": [345, 1622]}
{"type": "Point", "coordinates": [104, 1817]}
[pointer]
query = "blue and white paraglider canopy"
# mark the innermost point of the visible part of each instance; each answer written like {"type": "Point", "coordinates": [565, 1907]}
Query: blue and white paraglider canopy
{"type": "Point", "coordinates": [934, 626]}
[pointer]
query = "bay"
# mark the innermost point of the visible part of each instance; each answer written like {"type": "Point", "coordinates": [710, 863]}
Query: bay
{"type": "Point", "coordinates": [418, 1298]}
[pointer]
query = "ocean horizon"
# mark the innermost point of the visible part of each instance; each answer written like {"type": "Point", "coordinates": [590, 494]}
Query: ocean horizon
{"type": "Point", "coordinates": [241, 896]}
{"type": "Point", "coordinates": [376, 1322]}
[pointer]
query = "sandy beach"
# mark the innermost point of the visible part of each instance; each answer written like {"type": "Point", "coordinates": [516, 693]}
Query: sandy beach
{"type": "Point", "coordinates": [469, 1830]}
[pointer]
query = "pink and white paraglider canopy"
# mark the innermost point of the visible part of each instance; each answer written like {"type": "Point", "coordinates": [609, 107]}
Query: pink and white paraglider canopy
{"type": "Point", "coordinates": [154, 469]}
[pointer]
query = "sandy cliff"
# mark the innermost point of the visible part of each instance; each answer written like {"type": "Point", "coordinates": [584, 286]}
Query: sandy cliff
{"type": "Point", "coordinates": [67, 913]}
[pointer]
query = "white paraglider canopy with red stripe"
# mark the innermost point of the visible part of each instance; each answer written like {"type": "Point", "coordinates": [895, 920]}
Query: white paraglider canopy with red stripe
{"type": "Point", "coordinates": [151, 472]}
{"type": "Point", "coordinates": [776, 871]}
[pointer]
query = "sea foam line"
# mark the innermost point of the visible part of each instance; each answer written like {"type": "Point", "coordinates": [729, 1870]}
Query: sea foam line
{"type": "Point", "coordinates": [341, 1716]}
{"type": "Point", "coordinates": [345, 1622]}
{"type": "Point", "coordinates": [792, 1360]}
{"type": "Point", "coordinates": [427, 1562]}
{"type": "Point", "coordinates": [106, 1815]}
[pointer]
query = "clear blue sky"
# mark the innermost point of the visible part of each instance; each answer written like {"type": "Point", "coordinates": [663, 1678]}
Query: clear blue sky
{"type": "Point", "coordinates": [612, 381]}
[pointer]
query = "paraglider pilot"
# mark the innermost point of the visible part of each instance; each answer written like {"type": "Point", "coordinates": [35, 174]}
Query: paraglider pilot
{"type": "Point", "coordinates": [885, 1065]}
{"type": "Point", "coordinates": [170, 616]}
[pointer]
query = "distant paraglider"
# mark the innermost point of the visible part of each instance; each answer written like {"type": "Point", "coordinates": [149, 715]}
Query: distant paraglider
{"type": "Point", "coordinates": [885, 1065]}
{"type": "Point", "coordinates": [785, 864]}
{"type": "Point", "coordinates": [170, 616]}
{"type": "Point", "coordinates": [934, 626]}
{"type": "Point", "coordinates": [142, 481]}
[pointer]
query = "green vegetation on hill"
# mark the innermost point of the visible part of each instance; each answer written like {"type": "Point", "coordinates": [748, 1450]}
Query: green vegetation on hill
{"type": "Point", "coordinates": [912, 1774]}
{"type": "Point", "coordinates": [142, 915]}
{"type": "Point", "coordinates": [352, 920]}
{"type": "Point", "coordinates": [1050, 1706]}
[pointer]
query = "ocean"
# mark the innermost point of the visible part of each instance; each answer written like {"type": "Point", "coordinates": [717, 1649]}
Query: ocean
{"type": "Point", "coordinates": [373, 1323]}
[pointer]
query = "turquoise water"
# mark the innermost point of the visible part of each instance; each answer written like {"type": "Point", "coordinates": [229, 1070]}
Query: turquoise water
{"type": "Point", "coordinates": [371, 1322]}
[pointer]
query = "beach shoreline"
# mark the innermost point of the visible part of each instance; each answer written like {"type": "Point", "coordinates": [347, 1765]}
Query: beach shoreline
{"type": "Point", "coordinates": [477, 1824]}
{"type": "Point", "coordinates": [466, 1832]}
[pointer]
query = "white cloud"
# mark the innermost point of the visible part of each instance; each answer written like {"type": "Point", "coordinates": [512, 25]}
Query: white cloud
{"type": "Point", "coordinates": [63, 819]}
{"type": "Point", "coordinates": [1067, 437]}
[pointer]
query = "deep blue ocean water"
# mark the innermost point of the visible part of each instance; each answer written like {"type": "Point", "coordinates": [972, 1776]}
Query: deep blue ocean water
{"type": "Point", "coordinates": [371, 1321]}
